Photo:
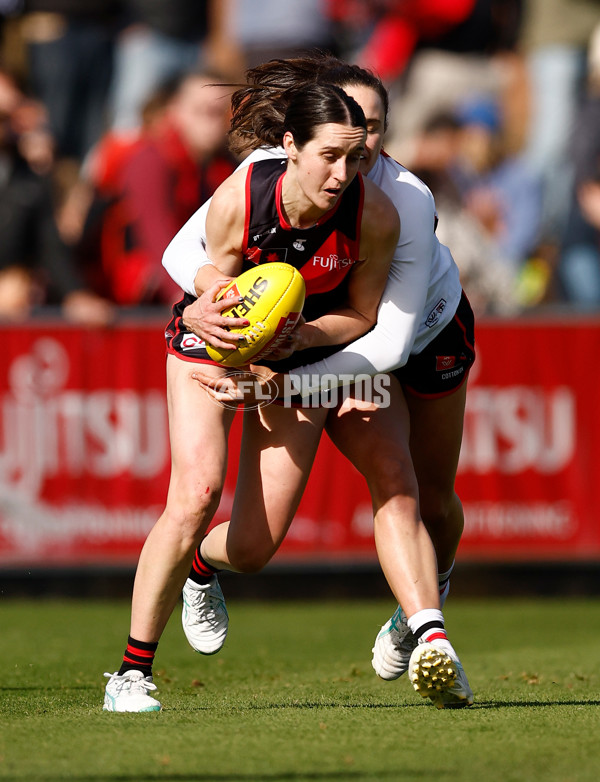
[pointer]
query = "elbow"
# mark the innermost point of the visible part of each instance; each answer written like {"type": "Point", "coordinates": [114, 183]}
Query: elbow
{"type": "Point", "coordinates": [370, 322]}
{"type": "Point", "coordinates": [400, 359]}
{"type": "Point", "coordinates": [396, 357]}
{"type": "Point", "coordinates": [167, 257]}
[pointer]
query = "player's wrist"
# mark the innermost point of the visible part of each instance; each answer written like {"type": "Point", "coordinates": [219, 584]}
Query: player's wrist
{"type": "Point", "coordinates": [206, 276]}
{"type": "Point", "coordinates": [309, 336]}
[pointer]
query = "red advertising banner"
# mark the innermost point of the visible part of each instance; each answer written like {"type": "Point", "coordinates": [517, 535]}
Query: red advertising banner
{"type": "Point", "coordinates": [84, 452]}
{"type": "Point", "coordinates": [530, 464]}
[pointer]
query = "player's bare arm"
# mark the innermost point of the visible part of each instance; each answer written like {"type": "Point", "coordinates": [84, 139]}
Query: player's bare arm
{"type": "Point", "coordinates": [224, 228]}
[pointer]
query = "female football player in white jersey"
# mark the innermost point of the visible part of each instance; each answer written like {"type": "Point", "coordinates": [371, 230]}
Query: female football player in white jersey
{"type": "Point", "coordinates": [316, 193]}
{"type": "Point", "coordinates": [424, 336]}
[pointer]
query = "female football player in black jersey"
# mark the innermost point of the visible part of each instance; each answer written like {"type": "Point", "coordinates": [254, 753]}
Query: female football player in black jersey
{"type": "Point", "coordinates": [408, 450]}
{"type": "Point", "coordinates": [323, 135]}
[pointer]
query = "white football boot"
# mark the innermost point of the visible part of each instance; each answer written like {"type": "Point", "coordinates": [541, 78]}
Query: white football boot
{"type": "Point", "coordinates": [394, 645]}
{"type": "Point", "coordinates": [436, 673]}
{"type": "Point", "coordinates": [129, 693]}
{"type": "Point", "coordinates": [204, 616]}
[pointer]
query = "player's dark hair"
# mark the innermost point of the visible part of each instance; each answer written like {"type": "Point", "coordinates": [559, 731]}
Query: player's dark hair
{"type": "Point", "coordinates": [297, 109]}
{"type": "Point", "coordinates": [262, 103]}
{"type": "Point", "coordinates": [319, 104]}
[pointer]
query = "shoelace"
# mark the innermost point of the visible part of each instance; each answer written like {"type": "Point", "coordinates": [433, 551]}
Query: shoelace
{"type": "Point", "coordinates": [134, 685]}
{"type": "Point", "coordinates": [206, 604]}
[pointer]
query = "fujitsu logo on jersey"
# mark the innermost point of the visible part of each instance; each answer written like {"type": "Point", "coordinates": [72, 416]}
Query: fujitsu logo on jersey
{"type": "Point", "coordinates": [332, 262]}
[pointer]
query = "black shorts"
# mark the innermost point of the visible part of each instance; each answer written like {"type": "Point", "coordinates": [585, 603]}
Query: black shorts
{"type": "Point", "coordinates": [181, 342]}
{"type": "Point", "coordinates": [442, 367]}
{"type": "Point", "coordinates": [190, 347]}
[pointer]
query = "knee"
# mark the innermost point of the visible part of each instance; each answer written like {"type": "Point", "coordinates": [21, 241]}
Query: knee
{"type": "Point", "coordinates": [191, 508]}
{"type": "Point", "coordinates": [248, 559]}
{"type": "Point", "coordinates": [390, 475]}
{"type": "Point", "coordinates": [439, 508]}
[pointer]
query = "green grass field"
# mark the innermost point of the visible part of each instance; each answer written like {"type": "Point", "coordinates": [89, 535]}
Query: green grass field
{"type": "Point", "coordinates": [292, 696]}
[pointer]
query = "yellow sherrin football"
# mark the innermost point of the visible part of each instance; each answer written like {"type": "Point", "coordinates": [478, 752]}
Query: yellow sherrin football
{"type": "Point", "coordinates": [273, 297]}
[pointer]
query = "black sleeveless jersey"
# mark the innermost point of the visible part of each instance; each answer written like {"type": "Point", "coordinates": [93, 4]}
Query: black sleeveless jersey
{"type": "Point", "coordinates": [324, 254]}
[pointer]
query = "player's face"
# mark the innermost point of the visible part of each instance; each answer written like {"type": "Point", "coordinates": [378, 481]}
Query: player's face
{"type": "Point", "coordinates": [324, 167]}
{"type": "Point", "coordinates": [372, 105]}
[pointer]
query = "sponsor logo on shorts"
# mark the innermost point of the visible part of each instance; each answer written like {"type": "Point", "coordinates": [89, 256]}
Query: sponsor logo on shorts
{"type": "Point", "coordinates": [453, 373]}
{"type": "Point", "coordinates": [435, 313]}
{"type": "Point", "coordinates": [442, 363]}
{"type": "Point", "coordinates": [191, 342]}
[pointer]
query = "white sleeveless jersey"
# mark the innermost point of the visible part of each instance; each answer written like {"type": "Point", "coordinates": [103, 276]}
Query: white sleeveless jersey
{"type": "Point", "coordinates": [420, 297]}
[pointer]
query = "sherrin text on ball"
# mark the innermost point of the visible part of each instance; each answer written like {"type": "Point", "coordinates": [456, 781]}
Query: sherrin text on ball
{"type": "Point", "coordinates": [272, 297]}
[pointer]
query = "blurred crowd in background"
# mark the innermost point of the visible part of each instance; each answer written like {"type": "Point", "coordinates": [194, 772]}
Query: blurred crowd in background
{"type": "Point", "coordinates": [113, 130]}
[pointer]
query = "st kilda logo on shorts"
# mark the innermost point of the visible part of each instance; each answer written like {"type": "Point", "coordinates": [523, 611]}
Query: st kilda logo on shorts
{"type": "Point", "coordinates": [442, 363]}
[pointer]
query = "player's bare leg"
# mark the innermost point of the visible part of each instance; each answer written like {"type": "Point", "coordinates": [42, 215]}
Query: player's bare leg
{"type": "Point", "coordinates": [377, 443]}
{"type": "Point", "coordinates": [270, 484]}
{"type": "Point", "coordinates": [436, 428]}
{"type": "Point", "coordinates": [198, 432]}
{"type": "Point", "coordinates": [274, 469]}
{"type": "Point", "coordinates": [375, 439]}
{"type": "Point", "coordinates": [435, 438]}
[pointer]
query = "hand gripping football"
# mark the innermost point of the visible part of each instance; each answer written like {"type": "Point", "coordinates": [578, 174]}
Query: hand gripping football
{"type": "Point", "coordinates": [273, 297]}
